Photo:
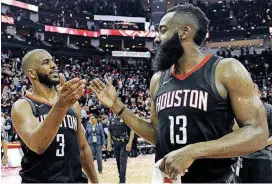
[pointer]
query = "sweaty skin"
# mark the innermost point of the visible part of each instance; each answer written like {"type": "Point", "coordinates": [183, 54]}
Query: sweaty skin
{"type": "Point", "coordinates": [232, 80]}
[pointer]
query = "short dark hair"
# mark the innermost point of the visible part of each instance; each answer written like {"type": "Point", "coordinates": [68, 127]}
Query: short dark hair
{"type": "Point", "coordinates": [197, 14]}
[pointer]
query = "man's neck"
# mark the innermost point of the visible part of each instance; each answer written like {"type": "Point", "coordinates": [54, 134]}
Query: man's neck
{"type": "Point", "coordinates": [43, 92]}
{"type": "Point", "coordinates": [189, 60]}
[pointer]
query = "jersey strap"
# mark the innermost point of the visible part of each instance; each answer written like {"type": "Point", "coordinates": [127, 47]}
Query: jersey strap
{"type": "Point", "coordinates": [33, 107]}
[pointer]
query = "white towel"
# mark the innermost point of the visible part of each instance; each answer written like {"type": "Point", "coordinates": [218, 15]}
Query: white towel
{"type": "Point", "coordinates": [158, 177]}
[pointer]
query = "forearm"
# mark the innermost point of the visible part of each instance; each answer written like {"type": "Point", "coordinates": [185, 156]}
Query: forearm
{"type": "Point", "coordinates": [43, 135]}
{"type": "Point", "coordinates": [7, 127]}
{"type": "Point", "coordinates": [109, 138]}
{"type": "Point", "coordinates": [131, 137]}
{"type": "Point", "coordinates": [139, 125]}
{"type": "Point", "coordinates": [5, 147]}
{"type": "Point", "coordinates": [87, 164]}
{"type": "Point", "coordinates": [243, 141]}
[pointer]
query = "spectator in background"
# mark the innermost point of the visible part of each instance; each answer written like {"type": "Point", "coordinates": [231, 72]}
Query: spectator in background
{"type": "Point", "coordinates": [84, 115]}
{"type": "Point", "coordinates": [3, 120]}
{"type": "Point", "coordinates": [8, 127]}
{"type": "Point", "coordinates": [96, 140]}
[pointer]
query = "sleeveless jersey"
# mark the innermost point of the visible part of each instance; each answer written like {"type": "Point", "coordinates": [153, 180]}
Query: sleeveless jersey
{"type": "Point", "coordinates": [190, 110]}
{"type": "Point", "coordinates": [60, 163]}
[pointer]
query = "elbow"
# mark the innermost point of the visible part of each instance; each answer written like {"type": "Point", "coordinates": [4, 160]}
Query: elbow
{"type": "Point", "coordinates": [261, 138]}
{"type": "Point", "coordinates": [39, 150]}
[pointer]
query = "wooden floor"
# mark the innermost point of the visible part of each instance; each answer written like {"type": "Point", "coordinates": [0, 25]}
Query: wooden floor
{"type": "Point", "coordinates": [139, 170]}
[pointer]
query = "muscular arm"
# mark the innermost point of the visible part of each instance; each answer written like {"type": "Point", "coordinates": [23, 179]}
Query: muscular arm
{"type": "Point", "coordinates": [5, 147]}
{"type": "Point", "coordinates": [248, 110]}
{"type": "Point", "coordinates": [142, 127]}
{"type": "Point", "coordinates": [85, 152]}
{"type": "Point", "coordinates": [269, 141]}
{"type": "Point", "coordinates": [37, 136]}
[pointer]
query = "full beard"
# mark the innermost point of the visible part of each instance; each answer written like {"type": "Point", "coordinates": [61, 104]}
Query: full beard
{"type": "Point", "coordinates": [45, 79]}
{"type": "Point", "coordinates": [168, 54]}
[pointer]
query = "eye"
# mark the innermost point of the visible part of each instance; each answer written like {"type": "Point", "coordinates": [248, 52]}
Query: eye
{"type": "Point", "coordinates": [163, 31]}
{"type": "Point", "coordinates": [45, 62]}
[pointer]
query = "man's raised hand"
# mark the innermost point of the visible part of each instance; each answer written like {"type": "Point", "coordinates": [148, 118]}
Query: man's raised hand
{"type": "Point", "coordinates": [105, 93]}
{"type": "Point", "coordinates": [70, 92]}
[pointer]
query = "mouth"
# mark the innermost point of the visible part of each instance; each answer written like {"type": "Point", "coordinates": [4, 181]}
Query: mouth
{"type": "Point", "coordinates": [55, 73]}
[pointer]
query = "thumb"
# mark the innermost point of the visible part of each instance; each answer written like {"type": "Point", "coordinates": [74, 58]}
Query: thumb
{"type": "Point", "coordinates": [62, 80]}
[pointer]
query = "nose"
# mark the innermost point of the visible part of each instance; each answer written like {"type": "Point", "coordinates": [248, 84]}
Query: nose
{"type": "Point", "coordinates": [157, 40]}
{"type": "Point", "coordinates": [53, 65]}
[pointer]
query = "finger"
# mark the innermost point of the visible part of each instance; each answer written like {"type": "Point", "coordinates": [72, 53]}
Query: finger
{"type": "Point", "coordinates": [95, 87]}
{"type": "Point", "coordinates": [62, 80]}
{"type": "Point", "coordinates": [76, 96]}
{"type": "Point", "coordinates": [182, 174]}
{"type": "Point", "coordinates": [166, 168]}
{"type": "Point", "coordinates": [170, 171]}
{"type": "Point", "coordinates": [162, 165]}
{"type": "Point", "coordinates": [98, 84]}
{"type": "Point", "coordinates": [74, 86]}
{"type": "Point", "coordinates": [69, 83]}
{"type": "Point", "coordinates": [94, 90]}
{"type": "Point", "coordinates": [78, 90]}
{"type": "Point", "coordinates": [102, 84]}
{"type": "Point", "coordinates": [174, 174]}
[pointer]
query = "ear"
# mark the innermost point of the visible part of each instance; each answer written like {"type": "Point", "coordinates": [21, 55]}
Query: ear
{"type": "Point", "coordinates": [186, 31]}
{"type": "Point", "coordinates": [31, 74]}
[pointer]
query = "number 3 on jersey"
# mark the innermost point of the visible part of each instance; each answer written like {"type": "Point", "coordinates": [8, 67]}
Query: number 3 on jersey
{"type": "Point", "coordinates": [180, 121]}
{"type": "Point", "coordinates": [60, 140]}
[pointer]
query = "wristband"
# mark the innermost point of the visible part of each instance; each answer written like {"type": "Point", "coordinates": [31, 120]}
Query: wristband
{"type": "Point", "coordinates": [122, 110]}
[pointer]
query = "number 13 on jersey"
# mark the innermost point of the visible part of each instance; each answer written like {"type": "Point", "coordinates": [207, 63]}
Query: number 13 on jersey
{"type": "Point", "coordinates": [181, 122]}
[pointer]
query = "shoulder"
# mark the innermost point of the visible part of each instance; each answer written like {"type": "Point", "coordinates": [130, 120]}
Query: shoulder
{"type": "Point", "coordinates": [154, 82]}
{"type": "Point", "coordinates": [20, 105]}
{"type": "Point", "coordinates": [231, 71]}
{"type": "Point", "coordinates": [230, 64]}
{"type": "Point", "coordinates": [155, 78]}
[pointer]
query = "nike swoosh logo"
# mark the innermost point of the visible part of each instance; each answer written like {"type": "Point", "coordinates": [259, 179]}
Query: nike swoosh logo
{"type": "Point", "coordinates": [167, 81]}
{"type": "Point", "coordinates": [39, 105]}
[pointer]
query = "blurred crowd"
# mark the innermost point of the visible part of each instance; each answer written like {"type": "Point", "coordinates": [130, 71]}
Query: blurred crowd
{"type": "Point", "coordinates": [231, 15]}
{"type": "Point", "coordinates": [238, 14]}
{"type": "Point", "coordinates": [131, 80]}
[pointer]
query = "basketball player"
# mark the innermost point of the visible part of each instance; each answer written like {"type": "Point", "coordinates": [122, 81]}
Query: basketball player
{"type": "Point", "coordinates": [49, 124]}
{"type": "Point", "coordinates": [194, 99]}
{"type": "Point", "coordinates": [257, 166]}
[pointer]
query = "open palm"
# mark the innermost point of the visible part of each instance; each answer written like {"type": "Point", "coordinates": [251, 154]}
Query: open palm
{"type": "Point", "coordinates": [106, 93]}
